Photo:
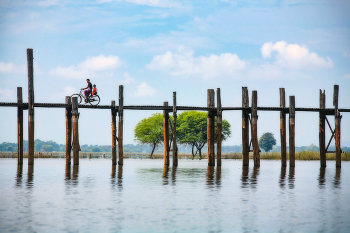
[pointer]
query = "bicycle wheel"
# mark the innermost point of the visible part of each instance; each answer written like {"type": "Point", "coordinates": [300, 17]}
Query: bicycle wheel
{"type": "Point", "coordinates": [79, 97]}
{"type": "Point", "coordinates": [95, 100]}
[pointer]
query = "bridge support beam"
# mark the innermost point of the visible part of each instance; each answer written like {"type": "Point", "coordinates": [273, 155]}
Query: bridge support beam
{"type": "Point", "coordinates": [166, 135]}
{"type": "Point", "coordinates": [210, 128]}
{"type": "Point", "coordinates": [283, 128]}
{"type": "Point", "coordinates": [322, 130]}
{"type": "Point", "coordinates": [338, 117]}
{"type": "Point", "coordinates": [291, 131]}
{"type": "Point", "coordinates": [68, 101]}
{"type": "Point", "coordinates": [30, 107]}
{"type": "Point", "coordinates": [175, 159]}
{"type": "Point", "coordinates": [75, 118]}
{"type": "Point", "coordinates": [19, 127]}
{"type": "Point", "coordinates": [255, 142]}
{"type": "Point", "coordinates": [114, 133]}
{"type": "Point", "coordinates": [245, 127]}
{"type": "Point", "coordinates": [218, 127]}
{"type": "Point", "coordinates": [120, 125]}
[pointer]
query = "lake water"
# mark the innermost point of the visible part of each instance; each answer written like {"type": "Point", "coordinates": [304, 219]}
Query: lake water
{"type": "Point", "coordinates": [142, 196]}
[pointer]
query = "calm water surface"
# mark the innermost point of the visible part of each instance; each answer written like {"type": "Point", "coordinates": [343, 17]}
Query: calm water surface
{"type": "Point", "coordinates": [142, 196]}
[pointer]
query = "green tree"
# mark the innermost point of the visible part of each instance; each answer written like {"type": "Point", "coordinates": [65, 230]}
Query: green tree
{"type": "Point", "coordinates": [192, 130]}
{"type": "Point", "coordinates": [47, 148]}
{"type": "Point", "coordinates": [149, 131]}
{"type": "Point", "coordinates": [267, 141]}
{"type": "Point", "coordinates": [10, 148]}
{"type": "Point", "coordinates": [95, 149]}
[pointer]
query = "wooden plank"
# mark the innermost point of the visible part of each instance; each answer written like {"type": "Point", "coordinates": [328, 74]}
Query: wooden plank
{"type": "Point", "coordinates": [218, 128]}
{"type": "Point", "coordinates": [283, 128]}
{"type": "Point", "coordinates": [337, 126]}
{"type": "Point", "coordinates": [322, 130]}
{"type": "Point", "coordinates": [120, 125]}
{"type": "Point", "coordinates": [114, 132]}
{"type": "Point", "coordinates": [166, 135]}
{"type": "Point", "coordinates": [75, 119]}
{"type": "Point", "coordinates": [19, 127]}
{"type": "Point", "coordinates": [254, 114]}
{"type": "Point", "coordinates": [210, 128]}
{"type": "Point", "coordinates": [245, 126]}
{"type": "Point", "coordinates": [175, 159]}
{"type": "Point", "coordinates": [68, 130]}
{"type": "Point", "coordinates": [291, 131]}
{"type": "Point", "coordinates": [30, 107]}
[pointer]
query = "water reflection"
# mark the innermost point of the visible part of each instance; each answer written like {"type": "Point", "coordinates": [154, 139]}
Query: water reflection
{"type": "Point", "coordinates": [166, 175]}
{"type": "Point", "coordinates": [254, 179]}
{"type": "Point", "coordinates": [282, 180]}
{"type": "Point", "coordinates": [291, 178]}
{"type": "Point", "coordinates": [30, 176]}
{"type": "Point", "coordinates": [173, 175]}
{"type": "Point", "coordinates": [19, 175]}
{"type": "Point", "coordinates": [251, 181]}
{"type": "Point", "coordinates": [75, 174]}
{"type": "Point", "coordinates": [113, 181]}
{"type": "Point", "coordinates": [322, 178]}
{"type": "Point", "coordinates": [120, 176]}
{"type": "Point", "coordinates": [68, 173]}
{"type": "Point", "coordinates": [213, 179]}
{"type": "Point", "coordinates": [337, 178]}
{"type": "Point", "coordinates": [245, 177]}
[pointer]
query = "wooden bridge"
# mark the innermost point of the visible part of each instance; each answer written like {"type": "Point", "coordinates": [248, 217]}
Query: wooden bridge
{"type": "Point", "coordinates": [249, 124]}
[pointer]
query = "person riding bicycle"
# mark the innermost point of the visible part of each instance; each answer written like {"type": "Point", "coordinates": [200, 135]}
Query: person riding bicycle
{"type": "Point", "coordinates": [94, 91]}
{"type": "Point", "coordinates": [87, 89]}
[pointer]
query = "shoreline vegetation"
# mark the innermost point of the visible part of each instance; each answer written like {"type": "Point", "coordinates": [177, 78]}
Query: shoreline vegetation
{"type": "Point", "coordinates": [301, 155]}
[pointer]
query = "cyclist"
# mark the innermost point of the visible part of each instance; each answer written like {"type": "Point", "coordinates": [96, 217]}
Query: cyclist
{"type": "Point", "coordinates": [87, 89]}
{"type": "Point", "coordinates": [94, 91]}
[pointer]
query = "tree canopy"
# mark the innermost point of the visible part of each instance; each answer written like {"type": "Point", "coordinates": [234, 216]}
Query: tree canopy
{"type": "Point", "coordinates": [267, 141]}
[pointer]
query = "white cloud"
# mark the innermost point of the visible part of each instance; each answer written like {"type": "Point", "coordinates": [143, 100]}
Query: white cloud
{"type": "Point", "coordinates": [128, 79]}
{"type": "Point", "coordinates": [67, 91]}
{"type": "Point", "coordinates": [10, 67]}
{"type": "Point", "coordinates": [185, 64]}
{"type": "Point", "coordinates": [347, 76]}
{"type": "Point", "coordinates": [144, 90]}
{"type": "Point", "coordinates": [89, 67]}
{"type": "Point", "coordinates": [293, 56]}
{"type": "Point", "coordinates": [46, 3]}
{"type": "Point", "coordinates": [155, 3]}
{"type": "Point", "coordinates": [6, 95]}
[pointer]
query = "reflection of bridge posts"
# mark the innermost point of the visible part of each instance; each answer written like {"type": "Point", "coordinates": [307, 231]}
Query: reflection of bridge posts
{"type": "Point", "coordinates": [210, 128]}
{"type": "Point", "coordinates": [166, 135]}
{"type": "Point", "coordinates": [245, 127]}
{"type": "Point", "coordinates": [283, 128]}
{"type": "Point", "coordinates": [291, 131]}
{"type": "Point", "coordinates": [75, 118]}
{"type": "Point", "coordinates": [30, 107]}
{"type": "Point", "coordinates": [19, 127]}
{"type": "Point", "coordinates": [120, 125]}
{"type": "Point", "coordinates": [68, 130]}
{"type": "Point", "coordinates": [322, 128]}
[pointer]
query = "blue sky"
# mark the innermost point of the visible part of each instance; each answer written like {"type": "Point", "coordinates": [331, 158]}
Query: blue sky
{"type": "Point", "coordinates": [155, 47]}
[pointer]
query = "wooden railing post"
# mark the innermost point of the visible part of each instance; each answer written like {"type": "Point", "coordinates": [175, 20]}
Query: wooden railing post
{"type": "Point", "coordinates": [283, 128]}
{"type": "Point", "coordinates": [30, 107]}
{"type": "Point", "coordinates": [337, 127]}
{"type": "Point", "coordinates": [68, 101]}
{"type": "Point", "coordinates": [218, 127]}
{"type": "Point", "coordinates": [19, 127]}
{"type": "Point", "coordinates": [210, 128]}
{"type": "Point", "coordinates": [114, 133]}
{"type": "Point", "coordinates": [175, 160]}
{"type": "Point", "coordinates": [245, 127]}
{"type": "Point", "coordinates": [120, 125]}
{"type": "Point", "coordinates": [75, 119]}
{"type": "Point", "coordinates": [255, 141]}
{"type": "Point", "coordinates": [291, 131]}
{"type": "Point", "coordinates": [166, 134]}
{"type": "Point", "coordinates": [322, 129]}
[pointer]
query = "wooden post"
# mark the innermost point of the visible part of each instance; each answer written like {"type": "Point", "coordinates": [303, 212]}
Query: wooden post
{"type": "Point", "coordinates": [75, 118]}
{"type": "Point", "coordinates": [322, 129]}
{"type": "Point", "coordinates": [68, 130]}
{"type": "Point", "coordinates": [19, 127]}
{"type": "Point", "coordinates": [210, 128]}
{"type": "Point", "coordinates": [175, 160]}
{"type": "Point", "coordinates": [114, 133]}
{"type": "Point", "coordinates": [120, 125]}
{"type": "Point", "coordinates": [255, 142]}
{"type": "Point", "coordinates": [166, 134]}
{"type": "Point", "coordinates": [219, 127]}
{"type": "Point", "coordinates": [30, 107]}
{"type": "Point", "coordinates": [337, 126]}
{"type": "Point", "coordinates": [291, 131]}
{"type": "Point", "coordinates": [283, 128]}
{"type": "Point", "coordinates": [245, 127]}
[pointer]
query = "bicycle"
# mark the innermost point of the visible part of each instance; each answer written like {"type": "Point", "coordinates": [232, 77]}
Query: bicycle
{"type": "Point", "coordinates": [91, 99]}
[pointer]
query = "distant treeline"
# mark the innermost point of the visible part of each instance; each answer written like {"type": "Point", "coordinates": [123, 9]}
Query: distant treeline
{"type": "Point", "coordinates": [50, 146]}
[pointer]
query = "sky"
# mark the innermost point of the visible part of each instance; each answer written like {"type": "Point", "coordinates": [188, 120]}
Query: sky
{"type": "Point", "coordinates": [156, 47]}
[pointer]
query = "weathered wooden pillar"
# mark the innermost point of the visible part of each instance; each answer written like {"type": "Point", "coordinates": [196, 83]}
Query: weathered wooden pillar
{"type": "Point", "coordinates": [30, 107]}
{"type": "Point", "coordinates": [19, 127]}
{"type": "Point", "coordinates": [337, 127]}
{"type": "Point", "coordinates": [175, 160]}
{"type": "Point", "coordinates": [245, 127]}
{"type": "Point", "coordinates": [218, 127]}
{"type": "Point", "coordinates": [283, 128]}
{"type": "Point", "coordinates": [75, 118]}
{"type": "Point", "coordinates": [166, 134]}
{"type": "Point", "coordinates": [255, 141]}
{"type": "Point", "coordinates": [210, 128]}
{"type": "Point", "coordinates": [322, 129]}
{"type": "Point", "coordinates": [114, 133]}
{"type": "Point", "coordinates": [291, 131]}
{"type": "Point", "coordinates": [120, 125]}
{"type": "Point", "coordinates": [68, 129]}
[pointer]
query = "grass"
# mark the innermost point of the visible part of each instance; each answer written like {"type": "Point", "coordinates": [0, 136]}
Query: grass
{"type": "Point", "coordinates": [302, 155]}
